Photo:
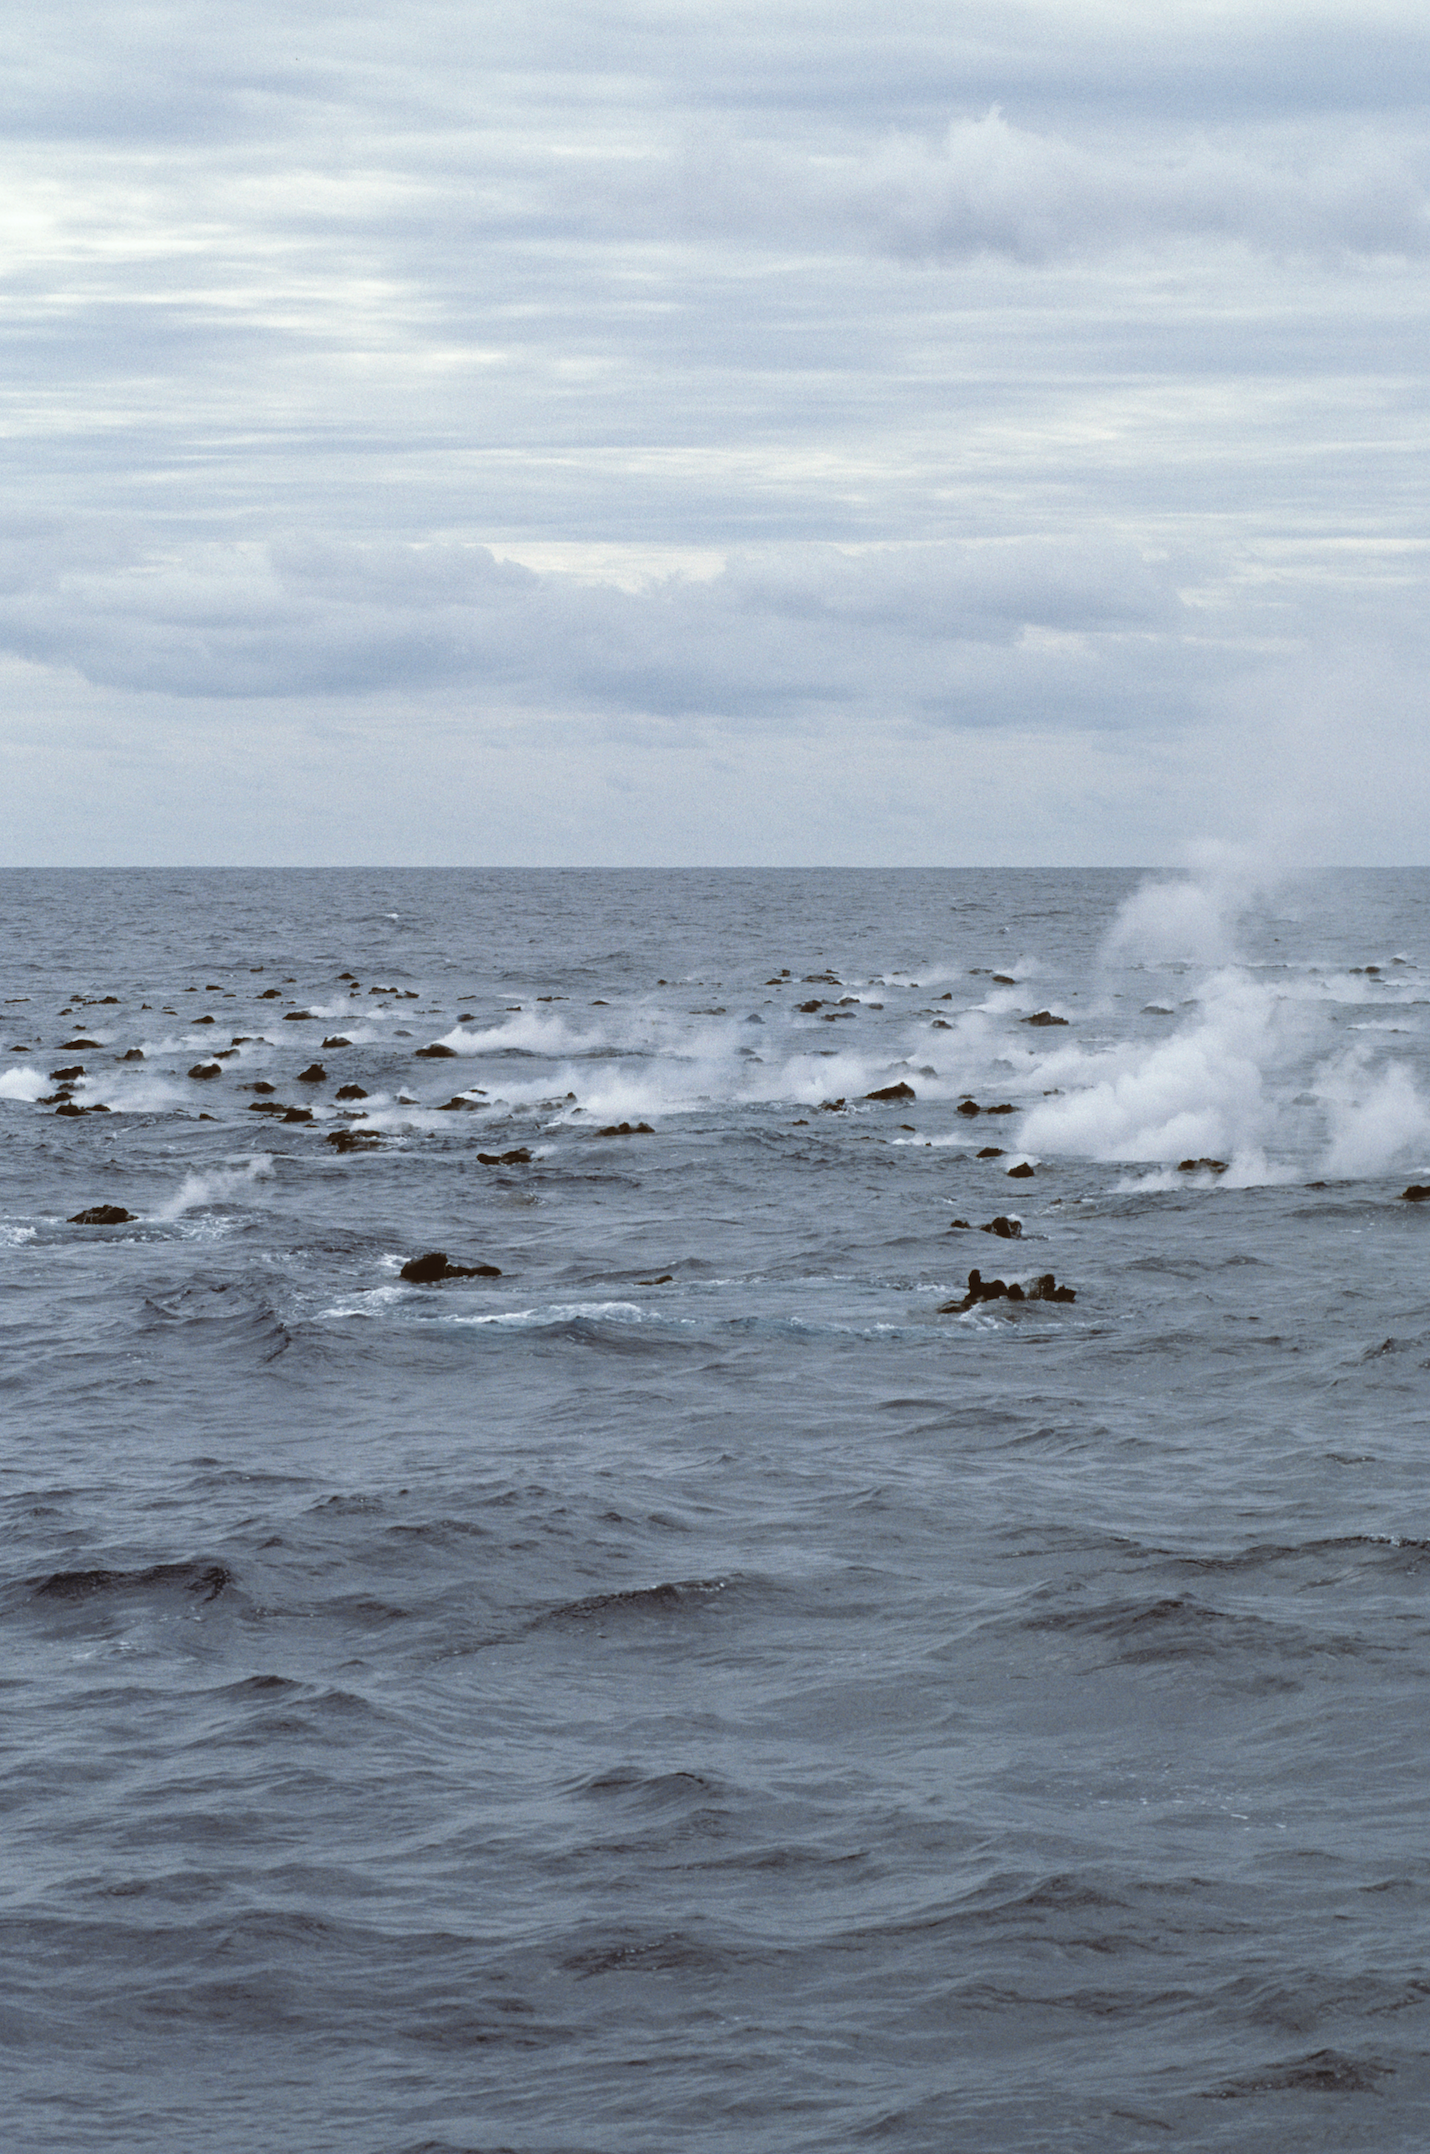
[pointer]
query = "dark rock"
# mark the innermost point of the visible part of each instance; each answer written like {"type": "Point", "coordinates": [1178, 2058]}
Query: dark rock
{"type": "Point", "coordinates": [893, 1091]}
{"type": "Point", "coordinates": [1044, 1017]}
{"type": "Point", "coordinates": [207, 1069]}
{"type": "Point", "coordinates": [347, 976]}
{"type": "Point", "coordinates": [1209, 1166]}
{"type": "Point", "coordinates": [296, 1114]}
{"type": "Point", "coordinates": [831, 1106]}
{"type": "Point", "coordinates": [71, 1069]}
{"type": "Point", "coordinates": [1417, 1193]}
{"type": "Point", "coordinates": [313, 1074]}
{"type": "Point", "coordinates": [337, 1039]}
{"type": "Point", "coordinates": [626, 1129]}
{"type": "Point", "coordinates": [458, 1105]}
{"type": "Point", "coordinates": [991, 1151]}
{"type": "Point", "coordinates": [969, 1106]}
{"type": "Point", "coordinates": [957, 1223]}
{"type": "Point", "coordinates": [353, 1140]}
{"type": "Point", "coordinates": [808, 1008]}
{"type": "Point", "coordinates": [267, 1106]}
{"type": "Point", "coordinates": [261, 1085]}
{"type": "Point", "coordinates": [71, 1047]}
{"type": "Point", "coordinates": [1004, 979]}
{"type": "Point", "coordinates": [346, 1091]}
{"type": "Point", "coordinates": [67, 1106]}
{"type": "Point", "coordinates": [980, 1289]}
{"type": "Point", "coordinates": [1006, 1229]}
{"type": "Point", "coordinates": [132, 1054]}
{"type": "Point", "coordinates": [1006, 1107]}
{"type": "Point", "coordinates": [521, 1157]}
{"type": "Point", "coordinates": [1021, 1173]}
{"type": "Point", "coordinates": [427, 1270]}
{"type": "Point", "coordinates": [270, 994]}
{"type": "Point", "coordinates": [299, 1017]}
{"type": "Point", "coordinates": [101, 1215]}
{"type": "Point", "coordinates": [436, 1053]}
{"type": "Point", "coordinates": [205, 1020]}
{"type": "Point", "coordinates": [662, 1279]}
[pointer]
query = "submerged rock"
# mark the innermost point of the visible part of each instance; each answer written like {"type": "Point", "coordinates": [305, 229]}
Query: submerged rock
{"type": "Point", "coordinates": [1208, 1166]}
{"type": "Point", "coordinates": [521, 1157]}
{"type": "Point", "coordinates": [436, 1053]}
{"type": "Point", "coordinates": [428, 1270]}
{"type": "Point", "coordinates": [101, 1215]}
{"type": "Point", "coordinates": [1043, 1288]}
{"type": "Point", "coordinates": [626, 1129]}
{"type": "Point", "coordinates": [337, 1039]}
{"type": "Point", "coordinates": [354, 1140]}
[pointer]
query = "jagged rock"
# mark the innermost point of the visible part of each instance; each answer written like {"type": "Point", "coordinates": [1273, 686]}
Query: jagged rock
{"type": "Point", "coordinates": [207, 1069]}
{"type": "Point", "coordinates": [626, 1129]}
{"type": "Point", "coordinates": [521, 1157]}
{"type": "Point", "coordinates": [346, 1091]}
{"type": "Point", "coordinates": [1021, 1173]}
{"type": "Point", "coordinates": [436, 1053]}
{"type": "Point", "coordinates": [969, 1107]}
{"type": "Point", "coordinates": [313, 1074]}
{"type": "Point", "coordinates": [831, 1106]}
{"type": "Point", "coordinates": [1044, 1017]}
{"type": "Point", "coordinates": [71, 1069]}
{"type": "Point", "coordinates": [807, 1009]}
{"type": "Point", "coordinates": [1044, 1288]}
{"type": "Point", "coordinates": [991, 1151]}
{"type": "Point", "coordinates": [458, 1105]}
{"type": "Point", "coordinates": [337, 1039]}
{"type": "Point", "coordinates": [67, 1106]}
{"type": "Point", "coordinates": [101, 1215]}
{"type": "Point", "coordinates": [428, 1270]}
{"type": "Point", "coordinates": [1006, 1107]}
{"type": "Point", "coordinates": [893, 1091]}
{"type": "Point", "coordinates": [1417, 1193]}
{"type": "Point", "coordinates": [953, 1223]}
{"type": "Point", "coordinates": [1209, 1166]}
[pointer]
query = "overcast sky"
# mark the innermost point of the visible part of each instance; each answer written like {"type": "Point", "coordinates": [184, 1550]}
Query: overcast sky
{"type": "Point", "coordinates": [666, 432]}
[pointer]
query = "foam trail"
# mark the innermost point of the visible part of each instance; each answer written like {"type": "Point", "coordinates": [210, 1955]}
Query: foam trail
{"type": "Point", "coordinates": [215, 1187]}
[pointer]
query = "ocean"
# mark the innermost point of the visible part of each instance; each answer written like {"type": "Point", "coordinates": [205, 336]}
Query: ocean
{"type": "Point", "coordinates": [682, 1680]}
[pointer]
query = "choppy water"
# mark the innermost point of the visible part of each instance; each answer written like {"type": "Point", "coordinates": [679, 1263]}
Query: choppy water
{"type": "Point", "coordinates": [685, 1691]}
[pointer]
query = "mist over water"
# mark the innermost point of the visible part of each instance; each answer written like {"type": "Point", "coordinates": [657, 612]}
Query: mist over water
{"type": "Point", "coordinates": [691, 1687]}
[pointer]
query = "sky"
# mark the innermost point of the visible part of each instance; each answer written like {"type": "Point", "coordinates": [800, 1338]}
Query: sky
{"type": "Point", "coordinates": [663, 433]}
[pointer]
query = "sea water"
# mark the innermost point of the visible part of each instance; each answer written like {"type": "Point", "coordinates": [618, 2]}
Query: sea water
{"type": "Point", "coordinates": [695, 1688]}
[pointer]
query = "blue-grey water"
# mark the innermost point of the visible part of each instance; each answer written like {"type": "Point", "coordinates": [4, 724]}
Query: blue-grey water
{"type": "Point", "coordinates": [686, 1691]}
